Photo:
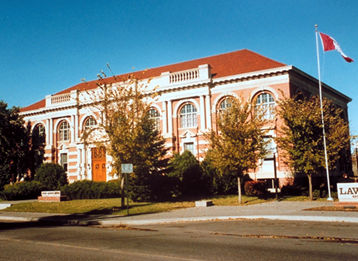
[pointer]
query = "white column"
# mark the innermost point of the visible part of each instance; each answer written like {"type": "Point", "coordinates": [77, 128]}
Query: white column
{"type": "Point", "coordinates": [84, 162]}
{"type": "Point", "coordinates": [79, 163]}
{"type": "Point", "coordinates": [170, 118]}
{"type": "Point", "coordinates": [208, 112]}
{"type": "Point", "coordinates": [164, 118]}
{"type": "Point", "coordinates": [202, 113]}
{"type": "Point", "coordinates": [48, 132]}
{"type": "Point", "coordinates": [51, 131]}
{"type": "Point", "coordinates": [73, 128]}
{"type": "Point", "coordinates": [77, 127]}
{"type": "Point", "coordinates": [89, 163]}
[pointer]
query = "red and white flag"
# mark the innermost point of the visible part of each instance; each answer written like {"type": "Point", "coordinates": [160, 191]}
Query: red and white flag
{"type": "Point", "coordinates": [330, 44]}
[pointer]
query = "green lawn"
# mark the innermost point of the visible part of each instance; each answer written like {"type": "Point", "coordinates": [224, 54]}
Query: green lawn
{"type": "Point", "coordinates": [113, 206]}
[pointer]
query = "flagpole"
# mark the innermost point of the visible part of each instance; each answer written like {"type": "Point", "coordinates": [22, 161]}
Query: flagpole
{"type": "Point", "coordinates": [322, 118]}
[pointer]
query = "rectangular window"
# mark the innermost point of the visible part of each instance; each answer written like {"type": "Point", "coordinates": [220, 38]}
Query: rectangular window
{"type": "Point", "coordinates": [63, 161]}
{"type": "Point", "coordinates": [270, 147]}
{"type": "Point", "coordinates": [189, 146]}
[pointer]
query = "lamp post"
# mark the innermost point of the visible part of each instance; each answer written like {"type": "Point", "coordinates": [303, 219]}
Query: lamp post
{"type": "Point", "coordinates": [127, 169]}
{"type": "Point", "coordinates": [275, 173]}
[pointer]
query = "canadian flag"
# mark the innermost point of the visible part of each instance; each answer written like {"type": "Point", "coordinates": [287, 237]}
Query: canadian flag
{"type": "Point", "coordinates": [330, 44]}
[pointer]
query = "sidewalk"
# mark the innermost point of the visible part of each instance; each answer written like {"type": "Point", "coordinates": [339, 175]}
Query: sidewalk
{"type": "Point", "coordinates": [274, 210]}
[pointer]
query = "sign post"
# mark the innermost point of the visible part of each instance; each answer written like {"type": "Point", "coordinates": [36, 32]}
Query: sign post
{"type": "Point", "coordinates": [127, 168]}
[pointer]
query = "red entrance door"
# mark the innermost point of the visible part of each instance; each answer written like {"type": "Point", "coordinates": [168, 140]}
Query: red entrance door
{"type": "Point", "coordinates": [99, 164]}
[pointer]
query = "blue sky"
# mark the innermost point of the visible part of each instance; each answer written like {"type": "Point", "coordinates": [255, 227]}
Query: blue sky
{"type": "Point", "coordinates": [47, 46]}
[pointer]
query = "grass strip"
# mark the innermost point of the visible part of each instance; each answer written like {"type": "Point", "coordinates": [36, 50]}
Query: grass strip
{"type": "Point", "coordinates": [113, 206]}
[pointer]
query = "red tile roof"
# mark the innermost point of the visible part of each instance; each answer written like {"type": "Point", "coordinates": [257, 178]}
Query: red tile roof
{"type": "Point", "coordinates": [237, 62]}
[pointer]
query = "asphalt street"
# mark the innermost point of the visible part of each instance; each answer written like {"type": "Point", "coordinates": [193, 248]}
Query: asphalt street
{"type": "Point", "coordinates": [215, 240]}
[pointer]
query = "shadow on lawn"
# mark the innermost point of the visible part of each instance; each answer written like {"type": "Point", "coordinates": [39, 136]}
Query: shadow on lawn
{"type": "Point", "coordinates": [85, 219]}
{"type": "Point", "coordinates": [77, 219]}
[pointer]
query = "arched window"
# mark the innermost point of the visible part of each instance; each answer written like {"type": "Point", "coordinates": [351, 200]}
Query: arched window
{"type": "Point", "coordinates": [266, 104]}
{"type": "Point", "coordinates": [89, 122]}
{"type": "Point", "coordinates": [155, 116]}
{"type": "Point", "coordinates": [38, 134]}
{"type": "Point", "coordinates": [224, 104]}
{"type": "Point", "coordinates": [188, 116]}
{"type": "Point", "coordinates": [40, 129]}
{"type": "Point", "coordinates": [64, 131]}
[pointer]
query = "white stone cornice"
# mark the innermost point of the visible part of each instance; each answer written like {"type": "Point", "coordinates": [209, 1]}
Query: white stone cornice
{"type": "Point", "coordinates": [255, 74]}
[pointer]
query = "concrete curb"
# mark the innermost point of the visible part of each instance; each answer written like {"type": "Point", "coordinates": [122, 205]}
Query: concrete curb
{"type": "Point", "coordinates": [222, 218]}
{"type": "Point", "coordinates": [177, 220]}
{"type": "Point", "coordinates": [19, 219]}
{"type": "Point", "coordinates": [306, 218]}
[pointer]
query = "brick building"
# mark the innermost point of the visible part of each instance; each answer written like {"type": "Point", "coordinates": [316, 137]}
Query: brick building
{"type": "Point", "coordinates": [189, 96]}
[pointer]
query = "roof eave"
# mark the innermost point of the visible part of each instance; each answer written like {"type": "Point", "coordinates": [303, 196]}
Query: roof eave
{"type": "Point", "coordinates": [298, 71]}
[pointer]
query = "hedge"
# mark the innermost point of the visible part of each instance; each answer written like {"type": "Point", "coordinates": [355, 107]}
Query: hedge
{"type": "Point", "coordinates": [22, 190]}
{"type": "Point", "coordinates": [87, 189]}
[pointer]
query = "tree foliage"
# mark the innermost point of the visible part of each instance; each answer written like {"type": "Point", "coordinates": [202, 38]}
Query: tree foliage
{"type": "Point", "coordinates": [150, 163]}
{"type": "Point", "coordinates": [238, 143]}
{"type": "Point", "coordinates": [21, 150]}
{"type": "Point", "coordinates": [187, 172]}
{"type": "Point", "coordinates": [218, 183]}
{"type": "Point", "coordinates": [52, 176]}
{"type": "Point", "coordinates": [131, 136]}
{"type": "Point", "coordinates": [36, 152]}
{"type": "Point", "coordinates": [14, 145]}
{"type": "Point", "coordinates": [301, 137]}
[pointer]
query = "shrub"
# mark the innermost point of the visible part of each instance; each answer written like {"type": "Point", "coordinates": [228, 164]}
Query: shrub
{"type": "Point", "coordinates": [216, 184]}
{"type": "Point", "coordinates": [4, 176]}
{"type": "Point", "coordinates": [51, 175]}
{"type": "Point", "coordinates": [22, 190]}
{"type": "Point", "coordinates": [185, 168]}
{"type": "Point", "coordinates": [291, 190]}
{"type": "Point", "coordinates": [334, 194]}
{"type": "Point", "coordinates": [316, 193]}
{"type": "Point", "coordinates": [87, 189]}
{"type": "Point", "coordinates": [151, 187]}
{"type": "Point", "coordinates": [255, 188]}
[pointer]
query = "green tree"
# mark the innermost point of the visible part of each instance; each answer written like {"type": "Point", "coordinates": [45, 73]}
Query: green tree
{"type": "Point", "coordinates": [14, 145]}
{"type": "Point", "coordinates": [150, 162]}
{"type": "Point", "coordinates": [217, 183]}
{"type": "Point", "coordinates": [36, 152]}
{"type": "Point", "coordinates": [301, 137]}
{"type": "Point", "coordinates": [238, 143]}
{"type": "Point", "coordinates": [130, 134]}
{"type": "Point", "coordinates": [52, 176]}
{"type": "Point", "coordinates": [185, 168]}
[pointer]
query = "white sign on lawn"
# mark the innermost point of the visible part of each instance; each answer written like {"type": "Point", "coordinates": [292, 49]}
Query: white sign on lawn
{"type": "Point", "coordinates": [127, 168]}
{"type": "Point", "coordinates": [347, 192]}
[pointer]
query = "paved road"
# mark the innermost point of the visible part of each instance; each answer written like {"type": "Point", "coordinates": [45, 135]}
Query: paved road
{"type": "Point", "coordinates": [275, 210]}
{"type": "Point", "coordinates": [229, 240]}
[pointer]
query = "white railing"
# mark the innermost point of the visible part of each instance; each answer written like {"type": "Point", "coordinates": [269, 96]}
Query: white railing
{"type": "Point", "coordinates": [60, 98]}
{"type": "Point", "coordinates": [182, 76]}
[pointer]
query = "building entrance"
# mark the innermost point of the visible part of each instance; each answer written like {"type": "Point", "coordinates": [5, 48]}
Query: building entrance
{"type": "Point", "coordinates": [99, 164]}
